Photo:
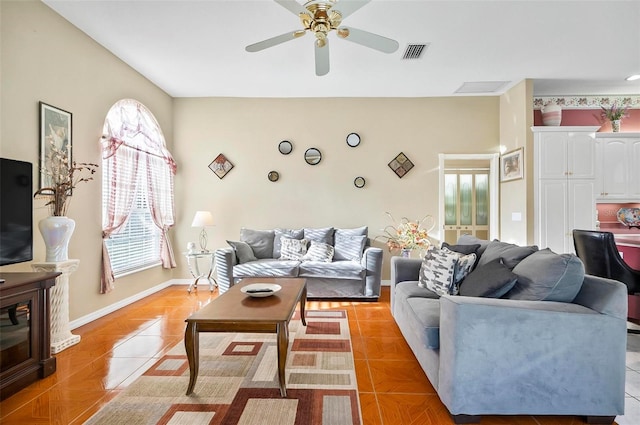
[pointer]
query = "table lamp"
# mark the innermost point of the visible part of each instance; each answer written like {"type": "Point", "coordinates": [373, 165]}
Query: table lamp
{"type": "Point", "coordinates": [202, 219]}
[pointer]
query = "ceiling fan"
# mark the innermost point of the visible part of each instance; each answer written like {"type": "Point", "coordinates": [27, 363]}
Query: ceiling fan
{"type": "Point", "coordinates": [321, 17]}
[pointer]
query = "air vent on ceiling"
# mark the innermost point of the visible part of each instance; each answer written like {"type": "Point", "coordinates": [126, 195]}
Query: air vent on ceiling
{"type": "Point", "coordinates": [482, 87]}
{"type": "Point", "coordinates": [415, 51]}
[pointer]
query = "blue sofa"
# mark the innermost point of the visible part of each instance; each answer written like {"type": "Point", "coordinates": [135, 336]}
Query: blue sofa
{"type": "Point", "coordinates": [500, 356]}
{"type": "Point", "coordinates": [354, 271]}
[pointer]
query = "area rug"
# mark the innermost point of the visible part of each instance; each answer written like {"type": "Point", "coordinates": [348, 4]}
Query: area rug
{"type": "Point", "coordinates": [238, 381]}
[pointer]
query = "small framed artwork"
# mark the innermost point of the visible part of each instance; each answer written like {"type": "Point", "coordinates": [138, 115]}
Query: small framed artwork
{"type": "Point", "coordinates": [401, 165]}
{"type": "Point", "coordinates": [55, 138]}
{"type": "Point", "coordinates": [512, 165]}
{"type": "Point", "coordinates": [221, 166]}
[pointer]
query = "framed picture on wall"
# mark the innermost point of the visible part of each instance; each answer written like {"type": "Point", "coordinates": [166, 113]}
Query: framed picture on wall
{"type": "Point", "coordinates": [512, 165]}
{"type": "Point", "coordinates": [55, 136]}
{"type": "Point", "coordinates": [221, 166]}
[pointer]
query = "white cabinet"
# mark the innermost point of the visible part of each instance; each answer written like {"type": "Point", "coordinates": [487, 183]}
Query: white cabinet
{"type": "Point", "coordinates": [564, 184]}
{"type": "Point", "coordinates": [618, 167]}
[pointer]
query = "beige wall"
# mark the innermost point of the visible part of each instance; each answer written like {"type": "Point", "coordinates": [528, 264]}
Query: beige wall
{"type": "Point", "coordinates": [248, 131]}
{"type": "Point", "coordinates": [516, 118]}
{"type": "Point", "coordinates": [44, 58]}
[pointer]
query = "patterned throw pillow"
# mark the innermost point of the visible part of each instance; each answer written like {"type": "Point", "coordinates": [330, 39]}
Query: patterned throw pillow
{"type": "Point", "coordinates": [293, 249]}
{"type": "Point", "coordinates": [463, 266]}
{"type": "Point", "coordinates": [319, 251]}
{"type": "Point", "coordinates": [443, 270]}
{"type": "Point", "coordinates": [286, 233]}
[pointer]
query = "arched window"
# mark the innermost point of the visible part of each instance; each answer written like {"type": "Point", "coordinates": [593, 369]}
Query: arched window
{"type": "Point", "coordinates": [137, 193]}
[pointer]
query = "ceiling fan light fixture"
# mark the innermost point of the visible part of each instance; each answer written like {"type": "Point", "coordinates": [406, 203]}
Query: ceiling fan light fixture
{"type": "Point", "coordinates": [343, 32]}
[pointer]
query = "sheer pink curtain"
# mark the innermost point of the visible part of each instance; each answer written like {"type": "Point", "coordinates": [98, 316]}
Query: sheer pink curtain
{"type": "Point", "coordinates": [160, 180]}
{"type": "Point", "coordinates": [133, 140]}
{"type": "Point", "coordinates": [122, 175]}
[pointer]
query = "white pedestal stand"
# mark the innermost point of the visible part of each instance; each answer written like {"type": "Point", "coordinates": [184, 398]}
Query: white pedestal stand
{"type": "Point", "coordinates": [61, 336]}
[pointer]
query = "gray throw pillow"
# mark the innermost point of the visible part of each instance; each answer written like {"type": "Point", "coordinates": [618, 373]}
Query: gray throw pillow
{"type": "Point", "coordinates": [260, 241]}
{"type": "Point", "coordinates": [491, 280]}
{"type": "Point", "coordinates": [279, 233]}
{"type": "Point", "coordinates": [349, 247]}
{"type": "Point", "coordinates": [547, 276]}
{"type": "Point", "coordinates": [462, 249]}
{"type": "Point", "coordinates": [244, 253]}
{"type": "Point", "coordinates": [511, 254]}
{"type": "Point", "coordinates": [472, 240]}
{"type": "Point", "coordinates": [364, 230]}
{"type": "Point", "coordinates": [324, 235]}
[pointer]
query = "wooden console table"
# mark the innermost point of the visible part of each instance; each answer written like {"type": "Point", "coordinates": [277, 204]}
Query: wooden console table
{"type": "Point", "coordinates": [25, 348]}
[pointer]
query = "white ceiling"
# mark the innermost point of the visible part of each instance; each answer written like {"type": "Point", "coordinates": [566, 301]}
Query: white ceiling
{"type": "Point", "coordinates": [196, 48]}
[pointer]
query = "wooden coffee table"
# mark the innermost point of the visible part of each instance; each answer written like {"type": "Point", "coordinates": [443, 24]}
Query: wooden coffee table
{"type": "Point", "coordinates": [234, 311]}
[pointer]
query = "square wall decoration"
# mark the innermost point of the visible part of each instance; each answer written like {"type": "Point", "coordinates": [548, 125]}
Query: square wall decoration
{"type": "Point", "coordinates": [221, 166]}
{"type": "Point", "coordinates": [401, 165]}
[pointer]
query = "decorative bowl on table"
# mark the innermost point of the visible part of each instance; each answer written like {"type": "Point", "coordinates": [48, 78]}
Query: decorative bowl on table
{"type": "Point", "coordinates": [630, 217]}
{"type": "Point", "coordinates": [260, 290]}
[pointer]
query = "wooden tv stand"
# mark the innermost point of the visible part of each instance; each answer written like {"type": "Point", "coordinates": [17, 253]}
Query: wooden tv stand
{"type": "Point", "coordinates": [25, 346]}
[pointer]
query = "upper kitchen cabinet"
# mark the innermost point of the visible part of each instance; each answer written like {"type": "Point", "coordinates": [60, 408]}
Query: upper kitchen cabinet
{"type": "Point", "coordinates": [618, 167]}
{"type": "Point", "coordinates": [566, 152]}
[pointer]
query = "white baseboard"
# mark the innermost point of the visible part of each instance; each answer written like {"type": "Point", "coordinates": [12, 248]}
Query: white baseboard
{"type": "Point", "coordinates": [125, 302]}
{"type": "Point", "coordinates": [137, 297]}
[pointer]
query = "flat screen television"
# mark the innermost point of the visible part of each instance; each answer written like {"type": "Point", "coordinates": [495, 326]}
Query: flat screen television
{"type": "Point", "coordinates": [16, 211]}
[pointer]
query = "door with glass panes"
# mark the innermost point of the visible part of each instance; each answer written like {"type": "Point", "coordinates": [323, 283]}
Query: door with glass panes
{"type": "Point", "coordinates": [466, 204]}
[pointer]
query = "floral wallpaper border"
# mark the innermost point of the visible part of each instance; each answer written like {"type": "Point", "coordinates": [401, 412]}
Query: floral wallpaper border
{"type": "Point", "coordinates": [587, 102]}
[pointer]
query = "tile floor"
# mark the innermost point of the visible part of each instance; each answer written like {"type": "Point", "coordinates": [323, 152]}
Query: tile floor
{"type": "Point", "coordinates": [118, 348]}
{"type": "Point", "coordinates": [632, 384]}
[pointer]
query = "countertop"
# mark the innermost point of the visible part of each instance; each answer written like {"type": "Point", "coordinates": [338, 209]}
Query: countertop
{"type": "Point", "coordinates": [623, 234]}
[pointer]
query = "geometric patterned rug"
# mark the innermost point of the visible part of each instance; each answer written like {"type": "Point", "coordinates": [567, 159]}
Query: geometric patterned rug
{"type": "Point", "coordinates": [238, 381]}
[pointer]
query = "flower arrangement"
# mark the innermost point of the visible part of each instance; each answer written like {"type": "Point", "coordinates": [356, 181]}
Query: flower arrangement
{"type": "Point", "coordinates": [407, 234]}
{"type": "Point", "coordinates": [615, 112]}
{"type": "Point", "coordinates": [64, 176]}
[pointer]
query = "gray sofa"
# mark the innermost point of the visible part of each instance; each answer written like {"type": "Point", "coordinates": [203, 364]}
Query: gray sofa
{"type": "Point", "coordinates": [352, 268]}
{"type": "Point", "coordinates": [522, 356]}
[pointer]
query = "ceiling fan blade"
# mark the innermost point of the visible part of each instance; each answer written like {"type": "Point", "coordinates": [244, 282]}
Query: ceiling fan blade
{"type": "Point", "coordinates": [322, 59]}
{"type": "Point", "coordinates": [368, 39]}
{"type": "Point", "coordinates": [347, 7]}
{"type": "Point", "coordinates": [274, 41]}
{"type": "Point", "coordinates": [293, 6]}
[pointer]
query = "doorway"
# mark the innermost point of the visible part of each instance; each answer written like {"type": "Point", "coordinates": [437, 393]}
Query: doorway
{"type": "Point", "coordinates": [468, 197]}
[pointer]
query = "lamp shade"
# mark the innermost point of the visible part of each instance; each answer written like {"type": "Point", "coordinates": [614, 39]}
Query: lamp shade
{"type": "Point", "coordinates": [202, 219]}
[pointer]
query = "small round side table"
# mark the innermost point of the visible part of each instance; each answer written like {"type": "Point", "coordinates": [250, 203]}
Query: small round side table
{"type": "Point", "coordinates": [194, 268]}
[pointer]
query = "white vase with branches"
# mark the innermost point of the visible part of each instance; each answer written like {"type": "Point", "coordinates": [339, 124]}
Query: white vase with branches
{"type": "Point", "coordinates": [63, 175]}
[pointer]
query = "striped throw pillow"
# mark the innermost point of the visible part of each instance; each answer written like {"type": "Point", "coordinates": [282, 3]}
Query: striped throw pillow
{"type": "Point", "coordinates": [319, 251]}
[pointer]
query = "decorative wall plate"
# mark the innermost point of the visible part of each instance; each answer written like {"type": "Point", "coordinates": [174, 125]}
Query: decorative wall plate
{"type": "Point", "coordinates": [359, 182]}
{"type": "Point", "coordinates": [285, 147]}
{"type": "Point", "coordinates": [273, 176]}
{"type": "Point", "coordinates": [353, 139]}
{"type": "Point", "coordinates": [401, 165]}
{"type": "Point", "coordinates": [313, 156]}
{"type": "Point", "coordinates": [630, 217]}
